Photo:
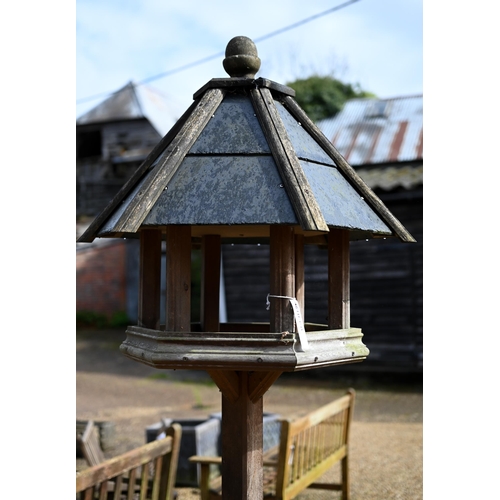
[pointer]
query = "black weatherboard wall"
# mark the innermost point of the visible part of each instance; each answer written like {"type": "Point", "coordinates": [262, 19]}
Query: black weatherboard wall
{"type": "Point", "coordinates": [383, 141]}
{"type": "Point", "coordinates": [386, 289]}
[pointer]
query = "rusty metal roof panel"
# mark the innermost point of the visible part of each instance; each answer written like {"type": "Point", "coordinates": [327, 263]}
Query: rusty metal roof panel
{"type": "Point", "coordinates": [372, 131]}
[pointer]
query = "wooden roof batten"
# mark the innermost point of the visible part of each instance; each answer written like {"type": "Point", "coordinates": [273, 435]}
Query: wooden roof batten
{"type": "Point", "coordinates": [129, 210]}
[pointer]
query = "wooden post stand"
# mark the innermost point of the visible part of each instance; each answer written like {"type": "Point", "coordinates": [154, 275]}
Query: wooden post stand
{"type": "Point", "coordinates": [242, 445]}
{"type": "Point", "coordinates": [242, 422]}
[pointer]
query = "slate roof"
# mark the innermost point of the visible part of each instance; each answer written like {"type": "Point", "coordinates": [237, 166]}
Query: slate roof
{"type": "Point", "coordinates": [245, 155]}
{"type": "Point", "coordinates": [131, 102]}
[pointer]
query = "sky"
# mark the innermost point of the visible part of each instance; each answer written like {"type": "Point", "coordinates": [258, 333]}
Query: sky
{"type": "Point", "coordinates": [376, 44]}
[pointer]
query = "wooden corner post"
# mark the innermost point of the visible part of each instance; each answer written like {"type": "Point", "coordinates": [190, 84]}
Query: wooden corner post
{"type": "Point", "coordinates": [210, 283]}
{"type": "Point", "coordinates": [150, 279]}
{"type": "Point", "coordinates": [339, 306]}
{"type": "Point", "coordinates": [178, 289]}
{"type": "Point", "coordinates": [282, 279]}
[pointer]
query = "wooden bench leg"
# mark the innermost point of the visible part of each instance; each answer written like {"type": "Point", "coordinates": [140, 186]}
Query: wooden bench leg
{"type": "Point", "coordinates": [205, 482]}
{"type": "Point", "coordinates": [346, 491]}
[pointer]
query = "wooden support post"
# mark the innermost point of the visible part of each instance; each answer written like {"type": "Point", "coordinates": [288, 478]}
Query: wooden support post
{"type": "Point", "coordinates": [210, 283]}
{"type": "Point", "coordinates": [241, 438]}
{"type": "Point", "coordinates": [282, 279]}
{"type": "Point", "coordinates": [149, 279]}
{"type": "Point", "coordinates": [178, 283]}
{"type": "Point", "coordinates": [299, 273]}
{"type": "Point", "coordinates": [338, 279]}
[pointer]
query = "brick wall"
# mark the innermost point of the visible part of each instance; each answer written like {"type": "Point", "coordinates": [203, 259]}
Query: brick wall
{"type": "Point", "coordinates": [101, 284]}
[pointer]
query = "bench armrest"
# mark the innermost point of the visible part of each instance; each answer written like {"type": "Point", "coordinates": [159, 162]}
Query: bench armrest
{"type": "Point", "coordinates": [205, 460]}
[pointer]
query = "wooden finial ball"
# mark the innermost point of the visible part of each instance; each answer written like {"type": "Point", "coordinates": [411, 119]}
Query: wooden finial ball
{"type": "Point", "coordinates": [241, 58]}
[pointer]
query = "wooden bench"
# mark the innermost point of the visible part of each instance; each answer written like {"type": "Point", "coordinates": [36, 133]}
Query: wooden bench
{"type": "Point", "coordinates": [147, 472]}
{"type": "Point", "coordinates": [90, 445]}
{"type": "Point", "coordinates": [309, 446]}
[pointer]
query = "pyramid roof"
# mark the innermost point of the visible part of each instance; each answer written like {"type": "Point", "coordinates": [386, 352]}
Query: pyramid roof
{"type": "Point", "coordinates": [242, 157]}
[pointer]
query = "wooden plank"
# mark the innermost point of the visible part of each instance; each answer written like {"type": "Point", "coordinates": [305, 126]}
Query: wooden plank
{"type": "Point", "coordinates": [282, 278]}
{"type": "Point", "coordinates": [170, 463]}
{"type": "Point", "coordinates": [339, 305]}
{"type": "Point", "coordinates": [118, 487]}
{"type": "Point", "coordinates": [371, 198]}
{"type": "Point", "coordinates": [131, 484]}
{"type": "Point", "coordinates": [241, 437]}
{"type": "Point", "coordinates": [150, 279]}
{"type": "Point", "coordinates": [90, 444]}
{"type": "Point", "coordinates": [295, 181]}
{"type": "Point", "coordinates": [178, 279]}
{"type": "Point", "coordinates": [317, 416]}
{"type": "Point", "coordinates": [174, 154]}
{"type": "Point", "coordinates": [210, 283]}
{"type": "Point", "coordinates": [89, 235]}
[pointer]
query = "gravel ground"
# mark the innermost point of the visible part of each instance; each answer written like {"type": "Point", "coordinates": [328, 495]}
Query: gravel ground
{"type": "Point", "coordinates": [386, 439]}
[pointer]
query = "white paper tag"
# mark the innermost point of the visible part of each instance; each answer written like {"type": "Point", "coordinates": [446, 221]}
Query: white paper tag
{"type": "Point", "coordinates": [304, 345]}
{"type": "Point", "coordinates": [300, 325]}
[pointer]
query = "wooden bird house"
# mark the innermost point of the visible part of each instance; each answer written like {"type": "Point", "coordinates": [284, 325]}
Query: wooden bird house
{"type": "Point", "coordinates": [243, 164]}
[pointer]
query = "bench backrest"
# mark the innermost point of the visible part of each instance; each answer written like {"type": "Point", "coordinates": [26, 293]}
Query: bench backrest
{"type": "Point", "coordinates": [90, 445]}
{"type": "Point", "coordinates": [149, 471]}
{"type": "Point", "coordinates": [310, 445]}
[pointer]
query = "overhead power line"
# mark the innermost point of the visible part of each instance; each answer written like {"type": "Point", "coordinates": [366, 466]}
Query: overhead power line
{"type": "Point", "coordinates": [220, 54]}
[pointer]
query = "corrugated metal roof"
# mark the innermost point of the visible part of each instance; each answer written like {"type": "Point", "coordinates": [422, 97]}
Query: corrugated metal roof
{"type": "Point", "coordinates": [131, 102]}
{"type": "Point", "coordinates": [374, 131]}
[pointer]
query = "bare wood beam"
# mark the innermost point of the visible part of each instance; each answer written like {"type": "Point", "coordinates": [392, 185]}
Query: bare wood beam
{"type": "Point", "coordinates": [178, 283]}
{"type": "Point", "coordinates": [339, 308]}
{"type": "Point", "coordinates": [210, 283]}
{"type": "Point", "coordinates": [150, 279]}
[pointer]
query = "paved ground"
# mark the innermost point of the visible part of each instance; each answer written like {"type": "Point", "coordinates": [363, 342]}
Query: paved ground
{"type": "Point", "coordinates": [386, 446]}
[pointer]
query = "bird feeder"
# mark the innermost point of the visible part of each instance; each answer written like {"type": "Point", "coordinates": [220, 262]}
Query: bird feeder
{"type": "Point", "coordinates": [243, 164]}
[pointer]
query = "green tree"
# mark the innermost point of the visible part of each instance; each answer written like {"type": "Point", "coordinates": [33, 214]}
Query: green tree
{"type": "Point", "coordinates": [324, 96]}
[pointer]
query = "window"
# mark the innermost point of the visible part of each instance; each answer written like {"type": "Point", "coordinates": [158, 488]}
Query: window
{"type": "Point", "coordinates": [88, 144]}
